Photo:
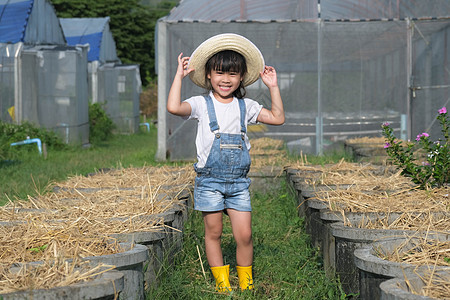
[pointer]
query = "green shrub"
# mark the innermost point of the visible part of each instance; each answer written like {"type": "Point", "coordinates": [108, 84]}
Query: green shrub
{"type": "Point", "coordinates": [10, 133]}
{"type": "Point", "coordinates": [100, 125]}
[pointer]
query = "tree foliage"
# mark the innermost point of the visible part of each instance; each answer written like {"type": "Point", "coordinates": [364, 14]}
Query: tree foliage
{"type": "Point", "coordinates": [132, 25]}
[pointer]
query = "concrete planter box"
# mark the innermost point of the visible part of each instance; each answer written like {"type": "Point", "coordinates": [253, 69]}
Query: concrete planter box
{"type": "Point", "coordinates": [407, 289]}
{"type": "Point", "coordinates": [106, 286]}
{"type": "Point", "coordinates": [162, 243]}
{"type": "Point", "coordinates": [309, 190]}
{"type": "Point", "coordinates": [326, 238]}
{"type": "Point", "coordinates": [154, 241]}
{"type": "Point", "coordinates": [149, 256]}
{"type": "Point", "coordinates": [313, 224]}
{"type": "Point", "coordinates": [130, 263]}
{"type": "Point", "coordinates": [373, 270]}
{"type": "Point", "coordinates": [367, 152]}
{"type": "Point", "coordinates": [346, 241]}
{"type": "Point", "coordinates": [265, 178]}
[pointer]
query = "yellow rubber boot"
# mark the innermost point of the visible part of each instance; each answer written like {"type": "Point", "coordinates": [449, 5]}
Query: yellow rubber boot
{"type": "Point", "coordinates": [221, 275]}
{"type": "Point", "coordinates": [245, 277]}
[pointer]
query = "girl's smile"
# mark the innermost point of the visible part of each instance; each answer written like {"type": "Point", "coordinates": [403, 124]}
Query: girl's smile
{"type": "Point", "coordinates": [224, 84]}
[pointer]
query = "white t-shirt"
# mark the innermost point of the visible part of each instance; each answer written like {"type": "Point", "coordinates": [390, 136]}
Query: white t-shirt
{"type": "Point", "coordinates": [228, 118]}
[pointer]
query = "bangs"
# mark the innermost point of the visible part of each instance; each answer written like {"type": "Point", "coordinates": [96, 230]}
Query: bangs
{"type": "Point", "coordinates": [227, 61]}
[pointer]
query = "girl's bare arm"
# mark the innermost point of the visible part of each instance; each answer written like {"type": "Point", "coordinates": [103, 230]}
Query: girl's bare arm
{"type": "Point", "coordinates": [174, 104]}
{"type": "Point", "coordinates": [274, 116]}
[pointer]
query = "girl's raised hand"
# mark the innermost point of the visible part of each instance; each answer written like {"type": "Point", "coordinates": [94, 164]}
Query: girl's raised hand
{"type": "Point", "coordinates": [183, 65]}
{"type": "Point", "coordinates": [269, 76]}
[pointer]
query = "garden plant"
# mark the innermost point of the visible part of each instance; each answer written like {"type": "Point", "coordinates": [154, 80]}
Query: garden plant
{"type": "Point", "coordinates": [424, 161]}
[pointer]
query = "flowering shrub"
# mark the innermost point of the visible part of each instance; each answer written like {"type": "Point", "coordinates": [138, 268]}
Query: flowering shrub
{"type": "Point", "coordinates": [425, 161]}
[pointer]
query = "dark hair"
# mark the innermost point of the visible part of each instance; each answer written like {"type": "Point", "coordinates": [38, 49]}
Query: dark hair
{"type": "Point", "coordinates": [227, 61]}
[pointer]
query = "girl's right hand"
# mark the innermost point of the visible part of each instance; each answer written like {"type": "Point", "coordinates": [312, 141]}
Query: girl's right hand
{"type": "Point", "coordinates": [183, 62]}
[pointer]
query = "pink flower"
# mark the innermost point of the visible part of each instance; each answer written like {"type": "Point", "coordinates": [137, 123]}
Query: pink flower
{"type": "Point", "coordinates": [443, 110]}
{"type": "Point", "coordinates": [385, 124]}
{"type": "Point", "coordinates": [419, 136]}
{"type": "Point", "coordinates": [387, 145]}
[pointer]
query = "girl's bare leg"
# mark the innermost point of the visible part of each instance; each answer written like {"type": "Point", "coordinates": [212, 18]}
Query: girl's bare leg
{"type": "Point", "coordinates": [241, 223]}
{"type": "Point", "coordinates": [213, 233]}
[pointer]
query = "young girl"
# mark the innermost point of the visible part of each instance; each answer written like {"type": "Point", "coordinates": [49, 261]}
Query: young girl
{"type": "Point", "coordinates": [224, 65]}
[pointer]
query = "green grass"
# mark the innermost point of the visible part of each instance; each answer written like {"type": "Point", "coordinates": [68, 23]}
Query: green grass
{"type": "Point", "coordinates": [30, 173]}
{"type": "Point", "coordinates": [333, 155]}
{"type": "Point", "coordinates": [285, 266]}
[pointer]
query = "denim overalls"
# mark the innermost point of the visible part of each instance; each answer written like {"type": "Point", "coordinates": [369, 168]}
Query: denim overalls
{"type": "Point", "coordinates": [226, 168]}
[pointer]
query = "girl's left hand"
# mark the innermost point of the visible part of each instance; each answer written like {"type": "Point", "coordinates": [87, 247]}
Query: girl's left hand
{"type": "Point", "coordinates": [269, 76]}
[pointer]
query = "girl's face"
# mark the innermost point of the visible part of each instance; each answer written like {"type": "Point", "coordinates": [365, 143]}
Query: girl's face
{"type": "Point", "coordinates": [224, 84]}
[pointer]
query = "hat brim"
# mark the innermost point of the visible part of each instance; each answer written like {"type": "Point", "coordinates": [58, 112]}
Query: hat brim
{"type": "Point", "coordinates": [221, 42]}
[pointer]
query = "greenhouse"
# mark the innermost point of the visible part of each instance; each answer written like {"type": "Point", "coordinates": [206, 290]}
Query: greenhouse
{"type": "Point", "coordinates": [344, 67]}
{"type": "Point", "coordinates": [42, 80]}
{"type": "Point", "coordinates": [58, 98]}
{"type": "Point", "coordinates": [115, 85]}
{"type": "Point", "coordinates": [120, 89]}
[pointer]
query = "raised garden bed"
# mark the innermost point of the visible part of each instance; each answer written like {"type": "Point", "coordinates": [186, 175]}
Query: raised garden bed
{"type": "Point", "coordinates": [401, 257]}
{"type": "Point", "coordinates": [87, 216]}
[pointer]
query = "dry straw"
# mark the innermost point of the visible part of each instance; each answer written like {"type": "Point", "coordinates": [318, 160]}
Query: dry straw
{"type": "Point", "coordinates": [78, 218]}
{"type": "Point", "coordinates": [394, 203]}
{"type": "Point", "coordinates": [404, 200]}
{"type": "Point", "coordinates": [48, 275]}
{"type": "Point", "coordinates": [380, 141]}
{"type": "Point", "coordinates": [437, 285]}
{"type": "Point", "coordinates": [115, 194]}
{"type": "Point", "coordinates": [418, 221]}
{"type": "Point", "coordinates": [343, 167]}
{"type": "Point", "coordinates": [267, 152]}
{"type": "Point", "coordinates": [366, 188]}
{"type": "Point", "coordinates": [424, 252]}
{"type": "Point", "coordinates": [419, 251]}
{"type": "Point", "coordinates": [132, 177]}
{"type": "Point", "coordinates": [41, 240]}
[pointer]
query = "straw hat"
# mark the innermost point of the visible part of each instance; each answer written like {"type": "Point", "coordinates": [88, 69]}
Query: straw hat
{"type": "Point", "coordinates": [226, 41]}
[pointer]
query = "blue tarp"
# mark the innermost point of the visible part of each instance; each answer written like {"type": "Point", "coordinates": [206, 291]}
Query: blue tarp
{"type": "Point", "coordinates": [14, 15]}
{"type": "Point", "coordinates": [94, 40]}
{"type": "Point", "coordinates": [92, 31]}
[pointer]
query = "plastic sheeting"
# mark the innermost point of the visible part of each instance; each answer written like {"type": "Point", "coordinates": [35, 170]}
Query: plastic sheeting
{"type": "Point", "coordinates": [119, 88]}
{"type": "Point", "coordinates": [22, 21]}
{"type": "Point", "coordinates": [92, 31]}
{"type": "Point", "coordinates": [8, 75]}
{"type": "Point", "coordinates": [54, 91]}
{"type": "Point", "coordinates": [339, 77]}
{"type": "Point", "coordinates": [271, 10]}
{"type": "Point", "coordinates": [13, 21]}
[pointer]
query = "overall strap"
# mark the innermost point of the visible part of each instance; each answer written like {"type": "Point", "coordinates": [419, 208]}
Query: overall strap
{"type": "Point", "coordinates": [243, 113]}
{"type": "Point", "coordinates": [212, 114]}
{"type": "Point", "coordinates": [213, 125]}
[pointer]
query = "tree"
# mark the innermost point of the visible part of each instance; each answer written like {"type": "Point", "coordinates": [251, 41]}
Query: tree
{"type": "Point", "coordinates": [132, 26]}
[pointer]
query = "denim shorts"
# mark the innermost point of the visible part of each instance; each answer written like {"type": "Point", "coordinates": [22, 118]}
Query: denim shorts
{"type": "Point", "coordinates": [213, 194]}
